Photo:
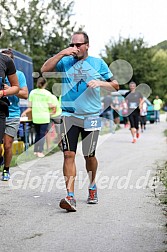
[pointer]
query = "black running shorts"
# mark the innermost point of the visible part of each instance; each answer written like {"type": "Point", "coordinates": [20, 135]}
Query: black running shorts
{"type": "Point", "coordinates": [134, 119]}
{"type": "Point", "coordinates": [71, 129]}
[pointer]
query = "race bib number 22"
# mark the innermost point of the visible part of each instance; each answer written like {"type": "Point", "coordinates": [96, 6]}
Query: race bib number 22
{"type": "Point", "coordinates": [92, 123]}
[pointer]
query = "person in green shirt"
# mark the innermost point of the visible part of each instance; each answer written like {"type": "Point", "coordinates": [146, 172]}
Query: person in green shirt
{"type": "Point", "coordinates": [40, 103]}
{"type": "Point", "coordinates": [157, 106]}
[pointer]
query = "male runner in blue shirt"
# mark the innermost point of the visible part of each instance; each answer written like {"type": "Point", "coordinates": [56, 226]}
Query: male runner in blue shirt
{"type": "Point", "coordinates": [82, 78]}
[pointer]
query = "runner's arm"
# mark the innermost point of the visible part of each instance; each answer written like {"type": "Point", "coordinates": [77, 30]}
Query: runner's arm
{"type": "Point", "coordinates": [110, 85]}
{"type": "Point", "coordinates": [14, 89]}
{"type": "Point", "coordinates": [49, 65]}
{"type": "Point", "coordinates": [23, 92]}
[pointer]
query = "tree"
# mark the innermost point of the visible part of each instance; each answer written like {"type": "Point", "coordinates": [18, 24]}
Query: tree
{"type": "Point", "coordinates": [160, 63]}
{"type": "Point", "coordinates": [148, 63]}
{"type": "Point", "coordinates": [39, 29]}
{"type": "Point", "coordinates": [134, 52]}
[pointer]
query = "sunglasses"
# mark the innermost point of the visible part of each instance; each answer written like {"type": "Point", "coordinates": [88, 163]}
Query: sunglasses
{"type": "Point", "coordinates": [77, 44]}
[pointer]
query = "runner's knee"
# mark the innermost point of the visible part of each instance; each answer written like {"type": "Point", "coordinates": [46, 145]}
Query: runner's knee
{"type": "Point", "coordinates": [69, 155]}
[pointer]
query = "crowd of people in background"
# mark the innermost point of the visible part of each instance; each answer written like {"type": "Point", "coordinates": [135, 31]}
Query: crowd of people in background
{"type": "Point", "coordinates": [131, 108]}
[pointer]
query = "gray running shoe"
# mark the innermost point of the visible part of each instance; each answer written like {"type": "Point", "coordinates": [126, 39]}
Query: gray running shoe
{"type": "Point", "coordinates": [68, 203]}
{"type": "Point", "coordinates": [92, 198]}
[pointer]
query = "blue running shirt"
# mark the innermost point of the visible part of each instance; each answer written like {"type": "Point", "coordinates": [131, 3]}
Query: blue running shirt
{"type": "Point", "coordinates": [14, 108]}
{"type": "Point", "coordinates": [77, 99]}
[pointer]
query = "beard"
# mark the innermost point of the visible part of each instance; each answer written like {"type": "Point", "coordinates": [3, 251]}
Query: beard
{"type": "Point", "coordinates": [75, 57]}
{"type": "Point", "coordinates": [78, 57]}
{"type": "Point", "coordinates": [81, 55]}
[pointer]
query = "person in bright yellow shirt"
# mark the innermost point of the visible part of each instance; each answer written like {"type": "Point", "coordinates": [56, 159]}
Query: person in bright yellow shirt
{"type": "Point", "coordinates": [157, 106]}
{"type": "Point", "coordinates": [40, 103]}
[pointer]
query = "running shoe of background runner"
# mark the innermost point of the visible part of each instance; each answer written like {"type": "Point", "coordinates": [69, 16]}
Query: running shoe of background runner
{"type": "Point", "coordinates": [137, 135]}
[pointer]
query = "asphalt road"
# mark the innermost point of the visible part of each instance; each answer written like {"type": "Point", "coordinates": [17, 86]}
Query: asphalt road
{"type": "Point", "coordinates": [128, 217]}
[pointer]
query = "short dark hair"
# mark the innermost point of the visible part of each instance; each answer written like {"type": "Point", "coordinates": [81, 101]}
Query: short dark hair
{"type": "Point", "coordinates": [8, 52]}
{"type": "Point", "coordinates": [86, 38]}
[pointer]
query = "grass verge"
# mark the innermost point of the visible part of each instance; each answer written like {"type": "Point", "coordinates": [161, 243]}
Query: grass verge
{"type": "Point", "coordinates": [163, 178]}
{"type": "Point", "coordinates": [28, 155]}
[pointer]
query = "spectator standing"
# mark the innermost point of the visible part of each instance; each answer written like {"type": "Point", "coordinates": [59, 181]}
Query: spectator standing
{"type": "Point", "coordinates": [157, 107]}
{"type": "Point", "coordinates": [124, 112]}
{"type": "Point", "coordinates": [143, 114]}
{"type": "Point", "coordinates": [40, 103]}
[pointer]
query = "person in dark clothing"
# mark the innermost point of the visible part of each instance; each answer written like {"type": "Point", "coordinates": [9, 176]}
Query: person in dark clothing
{"type": "Point", "coordinates": [133, 99]}
{"type": "Point", "coordinates": [7, 68]}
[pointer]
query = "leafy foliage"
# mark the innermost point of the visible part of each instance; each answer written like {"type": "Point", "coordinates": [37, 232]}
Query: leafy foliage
{"type": "Point", "coordinates": [149, 64]}
{"type": "Point", "coordinates": [42, 28]}
{"type": "Point", "coordinates": [39, 29]}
